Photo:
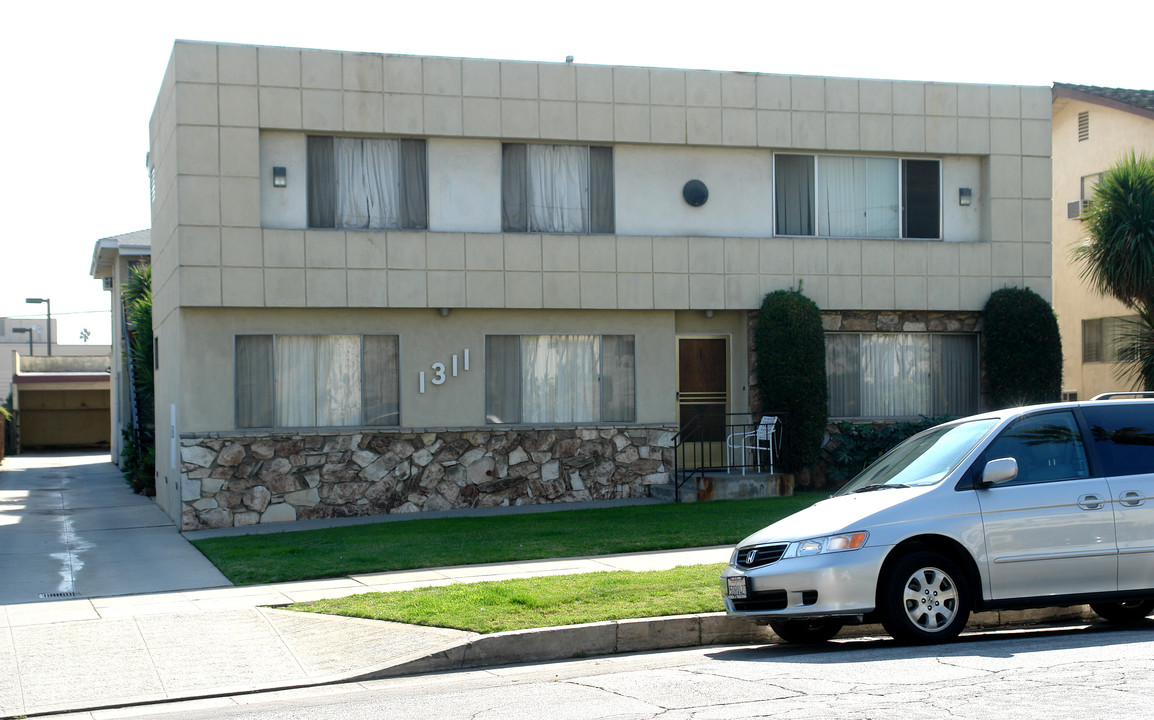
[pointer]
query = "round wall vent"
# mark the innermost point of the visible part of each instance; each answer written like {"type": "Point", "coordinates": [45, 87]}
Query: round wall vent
{"type": "Point", "coordinates": [695, 193]}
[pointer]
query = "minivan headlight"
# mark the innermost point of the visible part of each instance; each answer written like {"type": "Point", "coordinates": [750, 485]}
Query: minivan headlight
{"type": "Point", "coordinates": [831, 544]}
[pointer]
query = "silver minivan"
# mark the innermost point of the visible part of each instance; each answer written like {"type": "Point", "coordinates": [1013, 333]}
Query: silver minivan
{"type": "Point", "coordinates": [1041, 506]}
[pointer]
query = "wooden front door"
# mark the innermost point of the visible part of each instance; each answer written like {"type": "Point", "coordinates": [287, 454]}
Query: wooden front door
{"type": "Point", "coordinates": [702, 399]}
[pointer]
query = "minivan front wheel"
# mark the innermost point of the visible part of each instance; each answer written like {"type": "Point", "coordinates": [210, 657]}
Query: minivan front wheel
{"type": "Point", "coordinates": [923, 599]}
{"type": "Point", "coordinates": [1124, 612]}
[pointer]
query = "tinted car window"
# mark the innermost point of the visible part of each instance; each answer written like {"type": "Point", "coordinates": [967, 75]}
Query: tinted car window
{"type": "Point", "coordinates": [1123, 436]}
{"type": "Point", "coordinates": [1047, 447]}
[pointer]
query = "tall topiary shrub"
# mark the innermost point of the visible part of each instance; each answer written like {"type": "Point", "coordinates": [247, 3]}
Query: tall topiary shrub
{"type": "Point", "coordinates": [790, 347]}
{"type": "Point", "coordinates": [1021, 349]}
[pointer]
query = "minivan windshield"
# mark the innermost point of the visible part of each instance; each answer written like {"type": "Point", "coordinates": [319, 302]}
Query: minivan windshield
{"type": "Point", "coordinates": [924, 459]}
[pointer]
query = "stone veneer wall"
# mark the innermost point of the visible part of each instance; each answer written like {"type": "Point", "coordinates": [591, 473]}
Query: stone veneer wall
{"type": "Point", "coordinates": [248, 478]}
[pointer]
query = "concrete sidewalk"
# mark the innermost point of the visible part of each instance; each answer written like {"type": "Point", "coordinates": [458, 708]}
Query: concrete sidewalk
{"type": "Point", "coordinates": [74, 655]}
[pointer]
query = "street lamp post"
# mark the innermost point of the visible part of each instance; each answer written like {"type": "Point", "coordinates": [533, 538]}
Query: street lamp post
{"type": "Point", "coordinates": [46, 301]}
{"type": "Point", "coordinates": [29, 331]}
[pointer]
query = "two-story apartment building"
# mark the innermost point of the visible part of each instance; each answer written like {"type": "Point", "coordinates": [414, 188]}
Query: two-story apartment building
{"type": "Point", "coordinates": [1094, 127]}
{"type": "Point", "coordinates": [391, 283]}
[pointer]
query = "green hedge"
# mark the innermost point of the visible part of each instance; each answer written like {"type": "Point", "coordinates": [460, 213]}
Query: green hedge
{"type": "Point", "coordinates": [789, 343]}
{"type": "Point", "coordinates": [1022, 349]}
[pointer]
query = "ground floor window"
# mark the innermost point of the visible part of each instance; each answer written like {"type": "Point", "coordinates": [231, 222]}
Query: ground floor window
{"type": "Point", "coordinates": [559, 379]}
{"type": "Point", "coordinates": [881, 375]}
{"type": "Point", "coordinates": [316, 380]}
{"type": "Point", "coordinates": [1101, 338]}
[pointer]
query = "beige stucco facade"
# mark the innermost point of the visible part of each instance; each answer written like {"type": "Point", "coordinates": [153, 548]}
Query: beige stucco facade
{"type": "Point", "coordinates": [1114, 130]}
{"type": "Point", "coordinates": [232, 254]}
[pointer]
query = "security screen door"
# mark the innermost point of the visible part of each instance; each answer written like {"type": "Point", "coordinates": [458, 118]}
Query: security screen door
{"type": "Point", "coordinates": [702, 399]}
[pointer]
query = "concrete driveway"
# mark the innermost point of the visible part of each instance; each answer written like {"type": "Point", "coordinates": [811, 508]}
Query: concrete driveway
{"type": "Point", "coordinates": [71, 527]}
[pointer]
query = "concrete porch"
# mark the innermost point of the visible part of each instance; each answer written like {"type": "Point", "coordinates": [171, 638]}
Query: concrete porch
{"type": "Point", "coordinates": [728, 485]}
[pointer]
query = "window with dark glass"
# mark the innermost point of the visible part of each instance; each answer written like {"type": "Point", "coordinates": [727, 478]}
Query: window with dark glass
{"type": "Point", "coordinates": [1123, 436]}
{"type": "Point", "coordinates": [1047, 447]}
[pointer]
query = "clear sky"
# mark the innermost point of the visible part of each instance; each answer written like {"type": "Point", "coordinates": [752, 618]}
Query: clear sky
{"type": "Point", "coordinates": [81, 79]}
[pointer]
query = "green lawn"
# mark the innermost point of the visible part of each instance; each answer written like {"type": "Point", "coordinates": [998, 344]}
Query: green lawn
{"type": "Point", "coordinates": [488, 607]}
{"type": "Point", "coordinates": [421, 543]}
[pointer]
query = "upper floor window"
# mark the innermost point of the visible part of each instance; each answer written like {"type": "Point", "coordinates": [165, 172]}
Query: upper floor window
{"type": "Point", "coordinates": [858, 197]}
{"type": "Point", "coordinates": [369, 183]}
{"type": "Point", "coordinates": [559, 378]}
{"type": "Point", "coordinates": [316, 380]}
{"type": "Point", "coordinates": [557, 188]}
{"type": "Point", "coordinates": [879, 375]}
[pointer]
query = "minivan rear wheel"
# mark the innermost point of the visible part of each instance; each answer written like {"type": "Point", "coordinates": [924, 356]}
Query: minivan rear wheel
{"type": "Point", "coordinates": [1125, 611]}
{"type": "Point", "coordinates": [806, 631]}
{"type": "Point", "coordinates": [923, 599]}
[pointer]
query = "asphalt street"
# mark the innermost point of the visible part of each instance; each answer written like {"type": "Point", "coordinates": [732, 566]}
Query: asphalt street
{"type": "Point", "coordinates": [1082, 672]}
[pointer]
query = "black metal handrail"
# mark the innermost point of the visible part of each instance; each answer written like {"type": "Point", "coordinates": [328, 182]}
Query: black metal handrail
{"type": "Point", "coordinates": [707, 436]}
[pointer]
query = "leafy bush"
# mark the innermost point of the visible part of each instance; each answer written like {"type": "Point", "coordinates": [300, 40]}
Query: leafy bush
{"type": "Point", "coordinates": [1022, 349]}
{"type": "Point", "coordinates": [139, 454]}
{"type": "Point", "coordinates": [789, 343]}
{"type": "Point", "coordinates": [855, 445]}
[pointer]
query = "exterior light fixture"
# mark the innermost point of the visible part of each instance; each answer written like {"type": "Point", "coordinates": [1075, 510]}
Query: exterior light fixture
{"type": "Point", "coordinates": [279, 177]}
{"type": "Point", "coordinates": [444, 312]}
{"type": "Point", "coordinates": [708, 313]}
{"type": "Point", "coordinates": [29, 331]}
{"type": "Point", "coordinates": [48, 303]}
{"type": "Point", "coordinates": [965, 196]}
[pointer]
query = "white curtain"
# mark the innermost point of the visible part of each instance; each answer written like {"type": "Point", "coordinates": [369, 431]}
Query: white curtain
{"type": "Point", "coordinates": [558, 187]}
{"type": "Point", "coordinates": [560, 380]}
{"type": "Point", "coordinates": [368, 183]}
{"type": "Point", "coordinates": [338, 380]}
{"type": "Point", "coordinates": [296, 388]}
{"type": "Point", "coordinates": [857, 197]}
{"type": "Point", "coordinates": [895, 375]}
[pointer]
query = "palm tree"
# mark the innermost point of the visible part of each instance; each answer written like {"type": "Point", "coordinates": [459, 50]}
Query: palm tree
{"type": "Point", "coordinates": [1135, 350]}
{"type": "Point", "coordinates": [1118, 257]}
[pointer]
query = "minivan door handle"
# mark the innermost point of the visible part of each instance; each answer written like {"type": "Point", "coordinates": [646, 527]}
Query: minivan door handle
{"type": "Point", "coordinates": [1090, 502]}
{"type": "Point", "coordinates": [1131, 499]}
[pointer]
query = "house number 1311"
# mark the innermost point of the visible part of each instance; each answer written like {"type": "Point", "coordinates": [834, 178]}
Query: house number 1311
{"type": "Point", "coordinates": [440, 373]}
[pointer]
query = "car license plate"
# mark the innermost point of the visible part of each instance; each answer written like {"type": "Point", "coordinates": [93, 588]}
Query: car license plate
{"type": "Point", "coordinates": [736, 587]}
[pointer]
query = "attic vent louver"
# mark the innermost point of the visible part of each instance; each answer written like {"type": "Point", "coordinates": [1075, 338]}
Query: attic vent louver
{"type": "Point", "coordinates": [1083, 125]}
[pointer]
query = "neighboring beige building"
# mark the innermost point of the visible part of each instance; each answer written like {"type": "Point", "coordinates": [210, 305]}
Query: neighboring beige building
{"type": "Point", "coordinates": [60, 401]}
{"type": "Point", "coordinates": [1094, 127]}
{"type": "Point", "coordinates": [11, 340]}
{"type": "Point", "coordinates": [390, 283]}
{"type": "Point", "coordinates": [112, 260]}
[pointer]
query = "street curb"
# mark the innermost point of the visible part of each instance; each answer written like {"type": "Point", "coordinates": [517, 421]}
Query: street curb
{"type": "Point", "coordinates": [594, 640]}
{"type": "Point", "coordinates": [663, 633]}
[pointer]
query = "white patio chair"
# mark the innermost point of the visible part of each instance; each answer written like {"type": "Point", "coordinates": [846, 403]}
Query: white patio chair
{"type": "Point", "coordinates": [761, 438]}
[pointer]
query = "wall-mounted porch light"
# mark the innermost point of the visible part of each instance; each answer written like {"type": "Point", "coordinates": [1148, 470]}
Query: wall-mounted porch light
{"type": "Point", "coordinates": [965, 196]}
{"type": "Point", "coordinates": [279, 177]}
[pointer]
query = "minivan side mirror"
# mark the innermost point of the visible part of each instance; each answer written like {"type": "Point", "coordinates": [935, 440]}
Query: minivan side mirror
{"type": "Point", "coordinates": [1000, 471]}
